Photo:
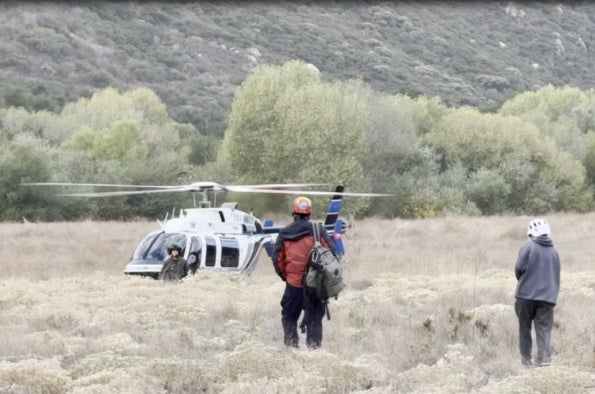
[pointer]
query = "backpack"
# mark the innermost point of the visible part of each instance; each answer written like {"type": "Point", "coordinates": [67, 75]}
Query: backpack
{"type": "Point", "coordinates": [323, 275]}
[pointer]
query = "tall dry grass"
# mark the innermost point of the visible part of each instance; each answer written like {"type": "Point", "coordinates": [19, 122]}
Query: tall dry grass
{"type": "Point", "coordinates": [428, 309]}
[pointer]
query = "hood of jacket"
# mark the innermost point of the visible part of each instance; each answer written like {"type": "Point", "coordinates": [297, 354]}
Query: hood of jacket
{"type": "Point", "coordinates": [298, 229]}
{"type": "Point", "coordinates": [543, 240]}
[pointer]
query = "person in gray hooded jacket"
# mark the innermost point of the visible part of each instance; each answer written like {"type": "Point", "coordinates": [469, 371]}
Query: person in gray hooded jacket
{"type": "Point", "coordinates": [537, 270]}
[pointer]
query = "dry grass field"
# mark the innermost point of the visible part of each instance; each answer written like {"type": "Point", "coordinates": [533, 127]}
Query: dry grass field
{"type": "Point", "coordinates": [428, 309]}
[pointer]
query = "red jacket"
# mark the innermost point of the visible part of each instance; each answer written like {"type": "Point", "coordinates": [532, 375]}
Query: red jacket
{"type": "Point", "coordinates": [292, 250]}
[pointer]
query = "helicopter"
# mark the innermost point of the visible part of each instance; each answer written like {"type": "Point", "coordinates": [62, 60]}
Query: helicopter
{"type": "Point", "coordinates": [221, 239]}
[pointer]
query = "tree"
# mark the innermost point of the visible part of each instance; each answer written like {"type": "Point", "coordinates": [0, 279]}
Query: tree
{"type": "Point", "coordinates": [254, 117]}
{"type": "Point", "coordinates": [288, 126]}
{"type": "Point", "coordinates": [590, 158]}
{"type": "Point", "coordinates": [550, 101]}
{"type": "Point", "coordinates": [551, 178]}
{"type": "Point", "coordinates": [489, 191]}
{"type": "Point", "coordinates": [421, 190]}
{"type": "Point", "coordinates": [565, 114]}
{"type": "Point", "coordinates": [396, 122]}
{"type": "Point", "coordinates": [24, 159]}
{"type": "Point", "coordinates": [118, 143]}
{"type": "Point", "coordinates": [137, 118]}
{"type": "Point", "coordinates": [107, 138]}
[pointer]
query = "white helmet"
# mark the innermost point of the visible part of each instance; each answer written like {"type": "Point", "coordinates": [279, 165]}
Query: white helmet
{"type": "Point", "coordinates": [538, 227]}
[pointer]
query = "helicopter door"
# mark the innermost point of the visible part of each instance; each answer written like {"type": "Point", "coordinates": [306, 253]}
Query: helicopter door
{"type": "Point", "coordinates": [211, 251]}
{"type": "Point", "coordinates": [230, 253]}
{"type": "Point", "coordinates": [194, 254]}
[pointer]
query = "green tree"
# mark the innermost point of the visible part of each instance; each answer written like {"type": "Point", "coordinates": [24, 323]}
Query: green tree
{"type": "Point", "coordinates": [84, 139]}
{"type": "Point", "coordinates": [421, 190]}
{"type": "Point", "coordinates": [203, 148]}
{"type": "Point", "coordinates": [18, 120]}
{"type": "Point", "coordinates": [564, 114]}
{"type": "Point", "coordinates": [489, 190]}
{"type": "Point", "coordinates": [24, 159]}
{"type": "Point", "coordinates": [288, 126]}
{"type": "Point", "coordinates": [109, 138]}
{"type": "Point", "coordinates": [396, 122]}
{"type": "Point", "coordinates": [132, 128]}
{"type": "Point", "coordinates": [118, 143]}
{"type": "Point", "coordinates": [481, 140]}
{"type": "Point", "coordinates": [254, 118]}
{"type": "Point", "coordinates": [551, 101]}
{"type": "Point", "coordinates": [139, 116]}
{"type": "Point", "coordinates": [547, 179]}
{"type": "Point", "coordinates": [590, 157]}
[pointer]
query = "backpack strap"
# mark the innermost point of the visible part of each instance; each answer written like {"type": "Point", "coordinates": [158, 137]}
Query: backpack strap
{"type": "Point", "coordinates": [316, 231]}
{"type": "Point", "coordinates": [316, 239]}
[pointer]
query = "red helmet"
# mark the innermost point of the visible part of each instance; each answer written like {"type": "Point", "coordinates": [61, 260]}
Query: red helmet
{"type": "Point", "coordinates": [302, 206]}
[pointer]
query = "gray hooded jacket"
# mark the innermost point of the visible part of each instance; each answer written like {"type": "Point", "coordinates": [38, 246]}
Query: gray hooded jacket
{"type": "Point", "coordinates": [537, 270]}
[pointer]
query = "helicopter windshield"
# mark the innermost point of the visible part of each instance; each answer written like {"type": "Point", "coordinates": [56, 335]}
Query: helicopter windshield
{"type": "Point", "coordinates": [154, 246]}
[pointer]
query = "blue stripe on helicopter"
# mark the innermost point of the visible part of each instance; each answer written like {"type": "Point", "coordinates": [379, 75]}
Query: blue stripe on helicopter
{"type": "Point", "coordinates": [335, 207]}
{"type": "Point", "coordinates": [339, 229]}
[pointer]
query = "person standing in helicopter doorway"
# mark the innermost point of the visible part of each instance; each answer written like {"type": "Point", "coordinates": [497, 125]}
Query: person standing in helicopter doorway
{"type": "Point", "coordinates": [290, 257]}
{"type": "Point", "coordinates": [175, 267]}
{"type": "Point", "coordinates": [537, 270]}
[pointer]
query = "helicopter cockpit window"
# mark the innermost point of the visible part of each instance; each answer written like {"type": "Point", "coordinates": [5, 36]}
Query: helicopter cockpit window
{"type": "Point", "coordinates": [157, 250]}
{"type": "Point", "coordinates": [211, 252]}
{"type": "Point", "coordinates": [143, 247]}
{"type": "Point", "coordinates": [230, 252]}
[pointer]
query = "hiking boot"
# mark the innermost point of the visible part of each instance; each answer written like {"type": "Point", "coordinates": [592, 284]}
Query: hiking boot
{"type": "Point", "coordinates": [527, 362]}
{"type": "Point", "coordinates": [291, 342]}
{"type": "Point", "coordinates": [313, 346]}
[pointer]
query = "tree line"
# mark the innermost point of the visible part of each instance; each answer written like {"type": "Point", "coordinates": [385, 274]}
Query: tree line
{"type": "Point", "coordinates": [534, 154]}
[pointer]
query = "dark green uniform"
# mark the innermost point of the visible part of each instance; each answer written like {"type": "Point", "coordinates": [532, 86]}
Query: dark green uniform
{"type": "Point", "coordinates": [174, 269]}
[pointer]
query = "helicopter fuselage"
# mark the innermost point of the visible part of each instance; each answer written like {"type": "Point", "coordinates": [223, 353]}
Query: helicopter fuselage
{"type": "Point", "coordinates": [220, 239]}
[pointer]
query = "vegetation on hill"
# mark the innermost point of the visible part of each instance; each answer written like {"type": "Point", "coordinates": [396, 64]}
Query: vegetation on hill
{"type": "Point", "coordinates": [194, 55]}
{"type": "Point", "coordinates": [302, 120]}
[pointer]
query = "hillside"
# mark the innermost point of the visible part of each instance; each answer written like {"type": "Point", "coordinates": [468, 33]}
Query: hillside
{"type": "Point", "coordinates": [194, 55]}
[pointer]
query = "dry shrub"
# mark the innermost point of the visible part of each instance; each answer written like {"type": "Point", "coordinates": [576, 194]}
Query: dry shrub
{"type": "Point", "coordinates": [32, 375]}
{"type": "Point", "coordinates": [554, 379]}
{"type": "Point", "coordinates": [180, 376]}
{"type": "Point", "coordinates": [428, 308]}
{"type": "Point", "coordinates": [252, 361]}
{"type": "Point", "coordinates": [456, 372]}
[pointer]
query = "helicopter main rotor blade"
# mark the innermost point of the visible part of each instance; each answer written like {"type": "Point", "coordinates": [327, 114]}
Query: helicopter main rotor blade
{"type": "Point", "coordinates": [97, 185]}
{"type": "Point", "coordinates": [307, 192]}
{"type": "Point", "coordinates": [203, 187]}
{"type": "Point", "coordinates": [124, 193]}
{"type": "Point", "coordinates": [197, 186]}
{"type": "Point", "coordinates": [274, 185]}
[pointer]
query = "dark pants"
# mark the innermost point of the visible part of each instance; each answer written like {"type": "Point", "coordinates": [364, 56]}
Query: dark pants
{"type": "Point", "coordinates": [314, 309]}
{"type": "Point", "coordinates": [541, 314]}
{"type": "Point", "coordinates": [293, 302]}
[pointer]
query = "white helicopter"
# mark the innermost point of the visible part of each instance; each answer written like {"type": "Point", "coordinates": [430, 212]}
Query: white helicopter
{"type": "Point", "coordinates": [222, 239]}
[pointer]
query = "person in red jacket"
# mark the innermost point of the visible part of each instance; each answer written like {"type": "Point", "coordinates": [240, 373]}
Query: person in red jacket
{"type": "Point", "coordinates": [290, 256]}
